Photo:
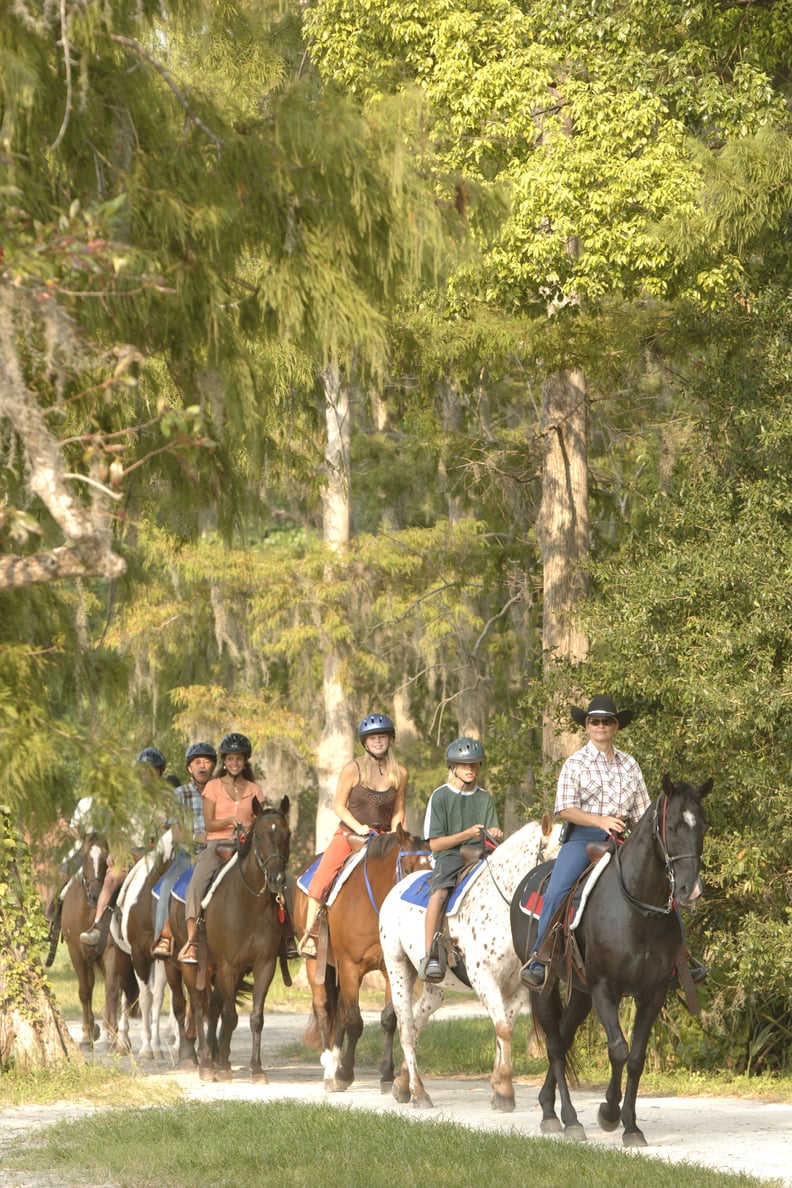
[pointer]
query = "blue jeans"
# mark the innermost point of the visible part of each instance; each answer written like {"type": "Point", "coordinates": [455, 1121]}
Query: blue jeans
{"type": "Point", "coordinates": [179, 864]}
{"type": "Point", "coordinates": [572, 860]}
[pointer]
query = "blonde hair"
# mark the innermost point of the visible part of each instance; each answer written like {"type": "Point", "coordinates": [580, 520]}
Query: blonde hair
{"type": "Point", "coordinates": [367, 773]}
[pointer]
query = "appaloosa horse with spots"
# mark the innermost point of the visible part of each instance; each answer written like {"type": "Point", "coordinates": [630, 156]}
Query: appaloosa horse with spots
{"type": "Point", "coordinates": [480, 934]}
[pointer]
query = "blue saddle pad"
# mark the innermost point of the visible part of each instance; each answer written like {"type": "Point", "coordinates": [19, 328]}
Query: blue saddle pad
{"type": "Point", "coordinates": [419, 890]}
{"type": "Point", "coordinates": [304, 880]}
{"type": "Point", "coordinates": [182, 883]}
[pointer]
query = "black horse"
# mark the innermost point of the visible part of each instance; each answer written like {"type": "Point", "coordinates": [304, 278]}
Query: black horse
{"type": "Point", "coordinates": [629, 940]}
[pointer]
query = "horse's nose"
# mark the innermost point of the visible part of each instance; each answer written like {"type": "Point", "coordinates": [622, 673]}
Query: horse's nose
{"type": "Point", "coordinates": [690, 897]}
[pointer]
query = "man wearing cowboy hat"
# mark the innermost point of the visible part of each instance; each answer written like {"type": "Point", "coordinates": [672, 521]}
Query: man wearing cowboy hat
{"type": "Point", "coordinates": [600, 792]}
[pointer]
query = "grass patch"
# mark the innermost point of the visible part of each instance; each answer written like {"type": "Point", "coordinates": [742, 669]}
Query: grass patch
{"type": "Point", "coordinates": [242, 1143]}
{"type": "Point", "coordinates": [92, 1084]}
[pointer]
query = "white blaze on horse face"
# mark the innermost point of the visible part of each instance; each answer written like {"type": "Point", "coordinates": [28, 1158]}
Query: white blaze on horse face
{"type": "Point", "coordinates": [95, 854]}
{"type": "Point", "coordinates": [697, 891]}
{"type": "Point", "coordinates": [689, 819]}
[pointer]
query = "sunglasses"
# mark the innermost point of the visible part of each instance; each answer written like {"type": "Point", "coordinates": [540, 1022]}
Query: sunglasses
{"type": "Point", "coordinates": [602, 722]}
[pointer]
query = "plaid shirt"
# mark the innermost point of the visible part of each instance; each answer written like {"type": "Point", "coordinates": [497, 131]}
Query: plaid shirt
{"type": "Point", "coordinates": [589, 782]}
{"type": "Point", "coordinates": [189, 800]}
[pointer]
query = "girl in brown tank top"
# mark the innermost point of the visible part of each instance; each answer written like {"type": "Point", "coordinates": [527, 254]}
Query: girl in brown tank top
{"type": "Point", "coordinates": [369, 796]}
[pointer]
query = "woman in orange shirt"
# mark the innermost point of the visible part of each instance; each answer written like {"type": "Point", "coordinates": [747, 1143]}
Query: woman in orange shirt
{"type": "Point", "coordinates": [227, 800]}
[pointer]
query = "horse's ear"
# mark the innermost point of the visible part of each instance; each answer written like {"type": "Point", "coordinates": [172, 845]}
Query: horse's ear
{"type": "Point", "coordinates": [256, 806]}
{"type": "Point", "coordinates": [284, 806]}
{"type": "Point", "coordinates": [706, 788]}
{"type": "Point", "coordinates": [668, 785]}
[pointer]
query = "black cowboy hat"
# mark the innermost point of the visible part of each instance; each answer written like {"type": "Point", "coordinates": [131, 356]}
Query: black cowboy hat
{"type": "Point", "coordinates": [601, 706]}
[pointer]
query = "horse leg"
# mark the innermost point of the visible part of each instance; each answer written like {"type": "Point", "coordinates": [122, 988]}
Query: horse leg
{"type": "Point", "coordinates": [646, 1012]}
{"type": "Point", "coordinates": [145, 996]}
{"type": "Point", "coordinates": [198, 1007]}
{"type": "Point", "coordinates": [262, 980]}
{"type": "Point", "coordinates": [86, 977]}
{"type": "Point", "coordinates": [559, 1025]}
{"type": "Point", "coordinates": [407, 1085]}
{"type": "Point", "coordinates": [607, 1008]}
{"type": "Point", "coordinates": [388, 1025]}
{"type": "Point", "coordinates": [186, 1058]}
{"type": "Point", "coordinates": [224, 997]}
{"type": "Point", "coordinates": [157, 982]}
{"type": "Point", "coordinates": [350, 1022]}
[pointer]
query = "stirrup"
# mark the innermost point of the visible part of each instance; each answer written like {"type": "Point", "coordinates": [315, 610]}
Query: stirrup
{"type": "Point", "coordinates": [307, 946]}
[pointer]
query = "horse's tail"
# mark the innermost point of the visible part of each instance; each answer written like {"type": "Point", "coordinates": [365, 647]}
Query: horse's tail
{"type": "Point", "coordinates": [537, 1040]}
{"type": "Point", "coordinates": [54, 933]}
{"type": "Point", "coordinates": [312, 1036]}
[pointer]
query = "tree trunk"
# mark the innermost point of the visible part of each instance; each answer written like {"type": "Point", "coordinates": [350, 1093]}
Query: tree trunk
{"type": "Point", "coordinates": [468, 680]}
{"type": "Point", "coordinates": [562, 530]}
{"type": "Point", "coordinates": [33, 1034]}
{"type": "Point", "coordinates": [336, 746]}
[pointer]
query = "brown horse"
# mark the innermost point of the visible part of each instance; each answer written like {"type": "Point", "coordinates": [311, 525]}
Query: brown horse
{"type": "Point", "coordinates": [242, 934]}
{"type": "Point", "coordinates": [76, 916]}
{"type": "Point", "coordinates": [354, 951]}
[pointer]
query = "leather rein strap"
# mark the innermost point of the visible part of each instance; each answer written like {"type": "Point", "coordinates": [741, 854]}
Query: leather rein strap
{"type": "Point", "coordinates": [658, 837]}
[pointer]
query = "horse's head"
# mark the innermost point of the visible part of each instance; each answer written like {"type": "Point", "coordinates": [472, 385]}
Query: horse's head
{"type": "Point", "coordinates": [680, 824]}
{"type": "Point", "coordinates": [94, 866]}
{"type": "Point", "coordinates": [270, 842]}
{"type": "Point", "coordinates": [414, 852]}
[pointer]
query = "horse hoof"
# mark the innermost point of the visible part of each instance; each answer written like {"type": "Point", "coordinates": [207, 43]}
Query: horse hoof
{"type": "Point", "coordinates": [399, 1094]}
{"type": "Point", "coordinates": [187, 1064]}
{"type": "Point", "coordinates": [423, 1102]}
{"type": "Point", "coordinates": [504, 1105]}
{"type": "Point", "coordinates": [259, 1077]}
{"type": "Point", "coordinates": [606, 1120]}
{"type": "Point", "coordinates": [574, 1133]}
{"type": "Point", "coordinates": [223, 1074]}
{"type": "Point", "coordinates": [386, 1087]}
{"type": "Point", "coordinates": [145, 1054]}
{"type": "Point", "coordinates": [634, 1139]}
{"type": "Point", "coordinates": [551, 1126]}
{"type": "Point", "coordinates": [206, 1074]}
{"type": "Point", "coordinates": [339, 1086]}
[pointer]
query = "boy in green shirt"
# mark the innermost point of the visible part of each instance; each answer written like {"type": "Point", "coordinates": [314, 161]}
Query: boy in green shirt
{"type": "Point", "coordinates": [456, 813]}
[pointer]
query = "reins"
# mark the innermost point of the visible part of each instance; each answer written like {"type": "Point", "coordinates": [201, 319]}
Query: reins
{"type": "Point", "coordinates": [658, 839]}
{"type": "Point", "coordinates": [399, 874]}
{"type": "Point", "coordinates": [263, 862]}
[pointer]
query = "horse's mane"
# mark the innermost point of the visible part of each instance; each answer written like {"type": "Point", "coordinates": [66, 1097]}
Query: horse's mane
{"type": "Point", "coordinates": [383, 843]}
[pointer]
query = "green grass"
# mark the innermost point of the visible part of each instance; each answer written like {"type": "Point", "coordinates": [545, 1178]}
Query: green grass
{"type": "Point", "coordinates": [291, 1145]}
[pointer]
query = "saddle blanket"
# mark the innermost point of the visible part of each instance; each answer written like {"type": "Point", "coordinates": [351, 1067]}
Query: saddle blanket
{"type": "Point", "coordinates": [179, 890]}
{"type": "Point", "coordinates": [418, 890]}
{"type": "Point", "coordinates": [531, 905]}
{"type": "Point", "coordinates": [351, 863]}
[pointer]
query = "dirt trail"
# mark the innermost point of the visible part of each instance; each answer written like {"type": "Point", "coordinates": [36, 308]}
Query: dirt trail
{"type": "Point", "coordinates": [728, 1134]}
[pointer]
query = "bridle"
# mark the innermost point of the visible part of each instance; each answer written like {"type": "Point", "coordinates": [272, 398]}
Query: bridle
{"type": "Point", "coordinates": [272, 882]}
{"type": "Point", "coordinates": [668, 860]}
{"type": "Point", "coordinates": [403, 853]}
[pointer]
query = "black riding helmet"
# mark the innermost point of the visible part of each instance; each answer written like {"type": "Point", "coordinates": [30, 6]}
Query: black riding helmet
{"type": "Point", "coordinates": [199, 750]}
{"type": "Point", "coordinates": [237, 744]}
{"type": "Point", "coordinates": [151, 756]}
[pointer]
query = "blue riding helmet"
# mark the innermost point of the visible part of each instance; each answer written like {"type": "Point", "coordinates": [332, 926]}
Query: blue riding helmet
{"type": "Point", "coordinates": [199, 750]}
{"type": "Point", "coordinates": [151, 756]}
{"type": "Point", "coordinates": [237, 744]}
{"type": "Point", "coordinates": [376, 724]}
{"type": "Point", "coordinates": [465, 750]}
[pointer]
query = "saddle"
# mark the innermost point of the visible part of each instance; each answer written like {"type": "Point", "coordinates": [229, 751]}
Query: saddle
{"type": "Point", "coordinates": [442, 947]}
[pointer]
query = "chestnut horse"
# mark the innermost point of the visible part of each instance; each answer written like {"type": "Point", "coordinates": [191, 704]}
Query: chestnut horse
{"type": "Point", "coordinates": [629, 938]}
{"type": "Point", "coordinates": [241, 934]}
{"type": "Point", "coordinates": [76, 916]}
{"type": "Point", "coordinates": [354, 950]}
